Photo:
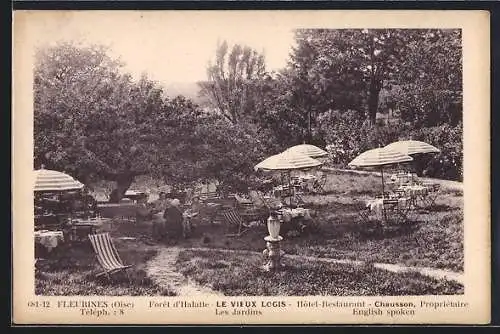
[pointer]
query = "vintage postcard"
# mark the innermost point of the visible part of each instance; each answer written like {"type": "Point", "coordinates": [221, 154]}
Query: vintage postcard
{"type": "Point", "coordinates": [251, 167]}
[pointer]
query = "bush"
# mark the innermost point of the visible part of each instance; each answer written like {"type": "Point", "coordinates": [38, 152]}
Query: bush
{"type": "Point", "coordinates": [448, 164]}
{"type": "Point", "coordinates": [348, 136]}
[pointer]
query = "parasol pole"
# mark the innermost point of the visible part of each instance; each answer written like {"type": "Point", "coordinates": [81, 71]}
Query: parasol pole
{"type": "Point", "coordinates": [382, 171]}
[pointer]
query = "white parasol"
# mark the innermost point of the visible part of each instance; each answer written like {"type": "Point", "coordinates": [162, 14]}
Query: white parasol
{"type": "Point", "coordinates": [379, 157]}
{"type": "Point", "coordinates": [309, 150]}
{"type": "Point", "coordinates": [410, 147]}
{"type": "Point", "coordinates": [51, 180]}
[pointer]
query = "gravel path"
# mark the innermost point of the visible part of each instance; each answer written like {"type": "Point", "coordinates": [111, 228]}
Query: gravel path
{"type": "Point", "coordinates": [161, 269]}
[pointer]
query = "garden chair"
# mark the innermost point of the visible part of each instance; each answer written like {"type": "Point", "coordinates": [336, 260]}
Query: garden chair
{"type": "Point", "coordinates": [394, 212]}
{"type": "Point", "coordinates": [299, 200]}
{"type": "Point", "coordinates": [107, 255]}
{"type": "Point", "coordinates": [363, 212]}
{"type": "Point", "coordinates": [234, 219]}
{"type": "Point", "coordinates": [319, 184]}
{"type": "Point", "coordinates": [251, 209]}
{"type": "Point", "coordinates": [365, 225]}
{"type": "Point", "coordinates": [429, 200]}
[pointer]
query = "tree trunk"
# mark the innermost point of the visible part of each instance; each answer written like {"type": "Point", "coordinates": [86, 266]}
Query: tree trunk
{"type": "Point", "coordinates": [309, 130]}
{"type": "Point", "coordinates": [373, 101]}
{"type": "Point", "coordinates": [123, 182]}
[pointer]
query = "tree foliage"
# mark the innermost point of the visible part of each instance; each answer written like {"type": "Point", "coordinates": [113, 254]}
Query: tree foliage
{"type": "Point", "coordinates": [346, 69]}
{"type": "Point", "coordinates": [232, 80]}
{"type": "Point", "coordinates": [94, 121]}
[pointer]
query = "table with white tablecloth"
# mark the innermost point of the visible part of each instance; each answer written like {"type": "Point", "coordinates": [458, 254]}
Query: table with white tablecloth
{"type": "Point", "coordinates": [295, 220]}
{"type": "Point", "coordinates": [420, 194]}
{"type": "Point", "coordinates": [288, 214]}
{"type": "Point", "coordinates": [384, 208]}
{"type": "Point", "coordinates": [49, 239]}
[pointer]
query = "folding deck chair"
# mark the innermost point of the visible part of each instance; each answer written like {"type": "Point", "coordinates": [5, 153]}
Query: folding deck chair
{"type": "Point", "coordinates": [233, 219]}
{"type": "Point", "coordinates": [107, 255]}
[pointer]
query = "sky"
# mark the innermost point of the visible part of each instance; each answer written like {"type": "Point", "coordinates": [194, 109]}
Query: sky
{"type": "Point", "coordinates": [170, 47]}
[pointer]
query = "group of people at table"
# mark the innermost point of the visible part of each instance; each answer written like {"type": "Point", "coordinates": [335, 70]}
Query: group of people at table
{"type": "Point", "coordinates": [169, 216]}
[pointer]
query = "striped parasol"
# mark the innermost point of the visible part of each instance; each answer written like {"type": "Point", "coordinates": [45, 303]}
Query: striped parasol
{"type": "Point", "coordinates": [380, 157]}
{"type": "Point", "coordinates": [410, 147]}
{"type": "Point", "coordinates": [287, 161]}
{"type": "Point", "coordinates": [307, 149]}
{"type": "Point", "coordinates": [51, 180]}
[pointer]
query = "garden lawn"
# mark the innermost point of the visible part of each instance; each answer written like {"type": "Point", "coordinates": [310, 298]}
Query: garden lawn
{"type": "Point", "coordinates": [71, 269]}
{"type": "Point", "coordinates": [241, 274]}
{"type": "Point", "coordinates": [431, 239]}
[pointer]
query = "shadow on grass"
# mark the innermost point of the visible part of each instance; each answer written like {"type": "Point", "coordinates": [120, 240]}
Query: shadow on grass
{"type": "Point", "coordinates": [242, 275]}
{"type": "Point", "coordinates": [438, 208]}
{"type": "Point", "coordinates": [73, 270]}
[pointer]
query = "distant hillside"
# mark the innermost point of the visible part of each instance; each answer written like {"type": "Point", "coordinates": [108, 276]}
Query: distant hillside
{"type": "Point", "coordinates": [187, 89]}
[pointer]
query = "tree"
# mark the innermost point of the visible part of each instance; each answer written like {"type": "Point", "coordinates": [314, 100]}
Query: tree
{"type": "Point", "coordinates": [228, 152]}
{"type": "Point", "coordinates": [231, 80]}
{"type": "Point", "coordinates": [430, 79]}
{"type": "Point", "coordinates": [350, 66]}
{"type": "Point", "coordinates": [94, 121]}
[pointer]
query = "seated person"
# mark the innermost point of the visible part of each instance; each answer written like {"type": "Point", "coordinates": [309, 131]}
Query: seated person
{"type": "Point", "coordinates": [144, 211]}
{"type": "Point", "coordinates": [159, 228]}
{"type": "Point", "coordinates": [195, 205]}
{"type": "Point", "coordinates": [174, 218]}
{"type": "Point", "coordinates": [161, 203]}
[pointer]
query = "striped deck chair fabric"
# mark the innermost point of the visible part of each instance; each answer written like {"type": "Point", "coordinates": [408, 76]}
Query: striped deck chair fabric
{"type": "Point", "coordinates": [106, 253]}
{"type": "Point", "coordinates": [209, 196]}
{"type": "Point", "coordinates": [234, 219]}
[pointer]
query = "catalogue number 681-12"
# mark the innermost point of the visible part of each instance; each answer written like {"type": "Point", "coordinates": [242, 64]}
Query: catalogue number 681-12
{"type": "Point", "coordinates": [38, 304]}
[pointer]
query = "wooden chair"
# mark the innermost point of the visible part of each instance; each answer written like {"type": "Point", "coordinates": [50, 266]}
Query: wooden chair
{"type": "Point", "coordinates": [365, 225]}
{"type": "Point", "coordinates": [107, 255]}
{"type": "Point", "coordinates": [234, 219]}
{"type": "Point", "coordinates": [319, 184]}
{"type": "Point", "coordinates": [363, 212]}
{"type": "Point", "coordinates": [395, 213]}
{"type": "Point", "coordinates": [299, 200]}
{"type": "Point", "coordinates": [429, 200]}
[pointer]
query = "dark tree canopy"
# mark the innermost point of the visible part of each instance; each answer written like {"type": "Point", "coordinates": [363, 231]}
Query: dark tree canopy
{"type": "Point", "coordinates": [94, 121]}
{"type": "Point", "coordinates": [348, 68]}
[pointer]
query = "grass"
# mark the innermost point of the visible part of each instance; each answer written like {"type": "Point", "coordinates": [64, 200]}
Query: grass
{"type": "Point", "coordinates": [433, 239]}
{"type": "Point", "coordinates": [241, 274]}
{"type": "Point", "coordinates": [71, 269]}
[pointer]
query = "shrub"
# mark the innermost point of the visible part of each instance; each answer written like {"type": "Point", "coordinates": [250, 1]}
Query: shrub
{"type": "Point", "coordinates": [348, 136]}
{"type": "Point", "coordinates": [448, 164]}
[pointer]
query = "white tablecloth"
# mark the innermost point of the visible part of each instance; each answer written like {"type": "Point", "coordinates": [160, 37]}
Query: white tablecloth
{"type": "Point", "coordinates": [377, 205]}
{"type": "Point", "coordinates": [307, 181]}
{"type": "Point", "coordinates": [415, 190]}
{"type": "Point", "coordinates": [289, 214]}
{"type": "Point", "coordinates": [49, 239]}
{"type": "Point", "coordinates": [404, 178]}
